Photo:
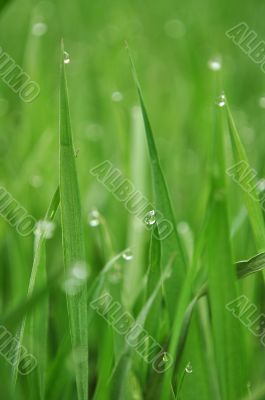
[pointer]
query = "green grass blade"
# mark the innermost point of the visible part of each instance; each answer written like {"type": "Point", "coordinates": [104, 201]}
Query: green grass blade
{"type": "Point", "coordinates": [243, 269]}
{"type": "Point", "coordinates": [171, 244]}
{"type": "Point", "coordinates": [227, 332]}
{"type": "Point", "coordinates": [73, 239]}
{"type": "Point", "coordinates": [251, 266]}
{"type": "Point", "coordinates": [253, 206]}
{"type": "Point", "coordinates": [153, 276]}
{"type": "Point", "coordinates": [38, 255]}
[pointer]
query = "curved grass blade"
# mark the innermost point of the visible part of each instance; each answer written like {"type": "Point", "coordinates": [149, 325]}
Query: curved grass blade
{"type": "Point", "coordinates": [145, 311]}
{"type": "Point", "coordinates": [243, 269]}
{"type": "Point", "coordinates": [72, 238]}
{"type": "Point", "coordinates": [171, 243]}
{"type": "Point", "coordinates": [247, 182]}
{"type": "Point", "coordinates": [251, 266]}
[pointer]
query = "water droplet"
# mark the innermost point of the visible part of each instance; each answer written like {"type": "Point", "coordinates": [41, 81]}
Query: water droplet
{"type": "Point", "coordinates": [188, 368]}
{"type": "Point", "coordinates": [127, 255]}
{"type": "Point", "coordinates": [76, 278]}
{"type": "Point", "coordinates": [39, 29]}
{"type": "Point", "coordinates": [183, 227]}
{"type": "Point", "coordinates": [36, 181]}
{"type": "Point", "coordinates": [80, 271]}
{"type": "Point", "coordinates": [94, 218]}
{"type": "Point", "coordinates": [221, 100]}
{"type": "Point", "coordinates": [66, 57]}
{"type": "Point", "coordinates": [261, 185]}
{"type": "Point", "coordinates": [174, 28]}
{"type": "Point", "coordinates": [165, 357]}
{"type": "Point", "coordinates": [45, 228]}
{"type": "Point", "coordinates": [215, 64]}
{"type": "Point", "coordinates": [262, 102]}
{"type": "Point", "coordinates": [117, 96]}
{"type": "Point", "coordinates": [150, 217]}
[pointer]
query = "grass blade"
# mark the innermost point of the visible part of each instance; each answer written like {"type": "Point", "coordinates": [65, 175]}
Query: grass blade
{"type": "Point", "coordinates": [39, 254]}
{"type": "Point", "coordinates": [227, 333]}
{"type": "Point", "coordinates": [73, 239]}
{"type": "Point", "coordinates": [253, 206]}
{"type": "Point", "coordinates": [170, 244]}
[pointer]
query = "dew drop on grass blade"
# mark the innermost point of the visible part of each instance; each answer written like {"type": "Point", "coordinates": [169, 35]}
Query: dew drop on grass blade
{"type": "Point", "coordinates": [72, 239]}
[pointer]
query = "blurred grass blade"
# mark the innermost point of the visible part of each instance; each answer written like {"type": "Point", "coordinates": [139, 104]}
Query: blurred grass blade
{"type": "Point", "coordinates": [253, 206]}
{"type": "Point", "coordinates": [227, 332]}
{"type": "Point", "coordinates": [170, 244]}
{"type": "Point", "coordinates": [145, 311]}
{"type": "Point", "coordinates": [39, 254]}
{"type": "Point", "coordinates": [73, 239]}
{"type": "Point", "coordinates": [243, 269]}
{"type": "Point", "coordinates": [153, 276]}
{"type": "Point", "coordinates": [11, 319]}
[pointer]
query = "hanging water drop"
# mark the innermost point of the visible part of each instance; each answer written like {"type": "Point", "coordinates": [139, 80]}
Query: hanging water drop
{"type": "Point", "coordinates": [44, 228]}
{"type": "Point", "coordinates": [117, 96]}
{"type": "Point", "coordinates": [150, 218]}
{"type": "Point", "coordinates": [214, 64]}
{"type": "Point", "coordinates": [80, 271]}
{"type": "Point", "coordinates": [127, 255]}
{"type": "Point", "coordinates": [39, 29]}
{"type": "Point", "coordinates": [221, 100]}
{"type": "Point", "coordinates": [66, 57]}
{"type": "Point", "coordinates": [262, 102]}
{"type": "Point", "coordinates": [36, 181]}
{"type": "Point", "coordinates": [76, 278]}
{"type": "Point", "coordinates": [261, 185]}
{"type": "Point", "coordinates": [94, 218]}
{"type": "Point", "coordinates": [188, 368]}
{"type": "Point", "coordinates": [165, 358]}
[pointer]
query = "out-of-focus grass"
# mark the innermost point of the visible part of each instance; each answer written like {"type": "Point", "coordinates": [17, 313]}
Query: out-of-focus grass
{"type": "Point", "coordinates": [172, 45]}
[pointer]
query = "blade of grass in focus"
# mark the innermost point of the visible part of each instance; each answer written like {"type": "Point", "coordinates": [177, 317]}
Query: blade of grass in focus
{"type": "Point", "coordinates": [72, 239]}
